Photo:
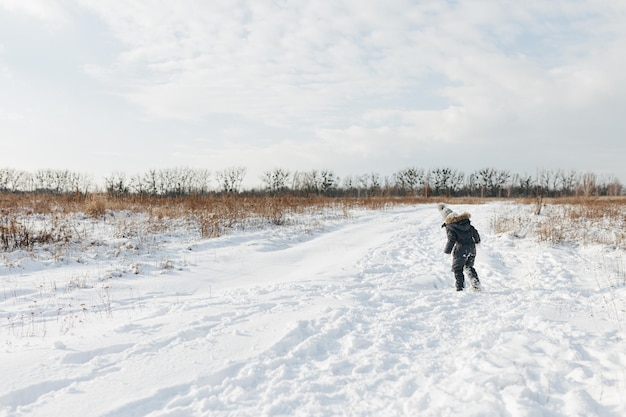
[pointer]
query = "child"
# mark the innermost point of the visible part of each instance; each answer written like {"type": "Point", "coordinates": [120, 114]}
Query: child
{"type": "Point", "coordinates": [462, 240]}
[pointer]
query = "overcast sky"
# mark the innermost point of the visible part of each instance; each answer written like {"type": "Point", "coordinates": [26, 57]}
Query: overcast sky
{"type": "Point", "coordinates": [354, 86]}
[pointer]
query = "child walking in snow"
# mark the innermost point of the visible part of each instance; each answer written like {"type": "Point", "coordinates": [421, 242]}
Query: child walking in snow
{"type": "Point", "coordinates": [462, 240]}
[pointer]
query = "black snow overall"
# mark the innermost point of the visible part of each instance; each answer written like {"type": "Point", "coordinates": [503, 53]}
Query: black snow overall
{"type": "Point", "coordinates": [462, 239]}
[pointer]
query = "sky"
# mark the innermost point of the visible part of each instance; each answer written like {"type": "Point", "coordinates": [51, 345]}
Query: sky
{"type": "Point", "coordinates": [353, 86]}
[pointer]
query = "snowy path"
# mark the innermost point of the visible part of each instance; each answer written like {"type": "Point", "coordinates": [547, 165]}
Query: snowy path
{"type": "Point", "coordinates": [359, 320]}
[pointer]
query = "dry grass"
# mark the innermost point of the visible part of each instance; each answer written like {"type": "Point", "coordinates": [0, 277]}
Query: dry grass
{"type": "Point", "coordinates": [599, 220]}
{"type": "Point", "coordinates": [580, 220]}
{"type": "Point", "coordinates": [17, 232]}
{"type": "Point", "coordinates": [97, 204]}
{"type": "Point", "coordinates": [211, 215]}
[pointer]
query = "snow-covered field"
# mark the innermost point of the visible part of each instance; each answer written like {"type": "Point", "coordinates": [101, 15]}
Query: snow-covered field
{"type": "Point", "coordinates": [344, 317]}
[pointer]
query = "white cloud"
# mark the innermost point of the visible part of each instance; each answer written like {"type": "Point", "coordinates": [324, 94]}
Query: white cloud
{"type": "Point", "coordinates": [349, 82]}
{"type": "Point", "coordinates": [5, 73]}
{"type": "Point", "coordinates": [45, 10]}
{"type": "Point", "coordinates": [12, 116]}
{"type": "Point", "coordinates": [282, 62]}
{"type": "Point", "coordinates": [280, 65]}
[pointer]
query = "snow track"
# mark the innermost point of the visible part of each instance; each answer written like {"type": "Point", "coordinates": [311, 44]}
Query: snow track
{"type": "Point", "coordinates": [359, 320]}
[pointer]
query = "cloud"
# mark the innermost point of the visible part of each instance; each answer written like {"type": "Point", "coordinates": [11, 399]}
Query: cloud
{"type": "Point", "coordinates": [45, 10]}
{"type": "Point", "coordinates": [277, 63]}
{"type": "Point", "coordinates": [360, 84]}
{"type": "Point", "coordinates": [285, 62]}
{"type": "Point", "coordinates": [12, 116]}
{"type": "Point", "coordinates": [5, 73]}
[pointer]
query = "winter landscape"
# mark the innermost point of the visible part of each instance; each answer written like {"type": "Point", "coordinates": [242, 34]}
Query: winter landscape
{"type": "Point", "coordinates": [341, 314]}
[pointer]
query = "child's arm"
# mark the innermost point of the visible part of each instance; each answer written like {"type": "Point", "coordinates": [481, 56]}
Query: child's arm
{"type": "Point", "coordinates": [475, 235]}
{"type": "Point", "coordinates": [451, 241]}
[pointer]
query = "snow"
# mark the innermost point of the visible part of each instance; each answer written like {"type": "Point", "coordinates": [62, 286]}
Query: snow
{"type": "Point", "coordinates": [338, 317]}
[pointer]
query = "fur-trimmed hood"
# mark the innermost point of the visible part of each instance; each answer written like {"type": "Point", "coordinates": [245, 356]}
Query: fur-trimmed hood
{"type": "Point", "coordinates": [455, 218]}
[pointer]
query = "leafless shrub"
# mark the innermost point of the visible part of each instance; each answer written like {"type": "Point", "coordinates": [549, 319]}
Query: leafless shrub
{"type": "Point", "coordinates": [18, 234]}
{"type": "Point", "coordinates": [210, 226]}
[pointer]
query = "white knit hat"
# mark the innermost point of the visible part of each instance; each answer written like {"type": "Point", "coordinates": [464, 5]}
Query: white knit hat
{"type": "Point", "coordinates": [445, 211]}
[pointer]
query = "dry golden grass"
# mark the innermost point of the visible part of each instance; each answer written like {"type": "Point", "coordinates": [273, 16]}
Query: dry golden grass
{"type": "Point", "coordinates": [213, 214]}
{"type": "Point", "coordinates": [98, 204]}
{"type": "Point", "coordinates": [580, 220]}
{"type": "Point", "coordinates": [560, 219]}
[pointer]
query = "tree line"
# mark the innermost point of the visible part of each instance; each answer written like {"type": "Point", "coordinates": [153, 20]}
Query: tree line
{"type": "Point", "coordinates": [411, 181]}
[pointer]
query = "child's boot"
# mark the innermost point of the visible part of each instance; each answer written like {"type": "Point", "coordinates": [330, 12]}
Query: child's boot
{"type": "Point", "coordinates": [460, 280]}
{"type": "Point", "coordinates": [473, 275]}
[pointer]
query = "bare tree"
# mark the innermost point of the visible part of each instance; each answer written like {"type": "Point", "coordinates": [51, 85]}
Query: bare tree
{"type": "Point", "coordinates": [350, 186]}
{"type": "Point", "coordinates": [486, 178]}
{"type": "Point", "coordinates": [472, 184]}
{"type": "Point", "coordinates": [567, 181]}
{"type": "Point", "coordinates": [137, 185]}
{"type": "Point", "coordinates": [202, 180]}
{"type": "Point", "coordinates": [151, 182]}
{"type": "Point", "coordinates": [446, 180]}
{"type": "Point", "coordinates": [42, 180]}
{"type": "Point", "coordinates": [439, 180]}
{"type": "Point", "coordinates": [501, 179]}
{"type": "Point", "coordinates": [60, 181]}
{"type": "Point", "coordinates": [276, 180]}
{"type": "Point", "coordinates": [311, 182]}
{"type": "Point", "coordinates": [588, 184]}
{"type": "Point", "coordinates": [614, 187]}
{"type": "Point", "coordinates": [323, 182]}
{"type": "Point", "coordinates": [12, 179]}
{"type": "Point", "coordinates": [408, 180]}
{"type": "Point", "coordinates": [328, 182]}
{"type": "Point", "coordinates": [374, 184]}
{"type": "Point", "coordinates": [544, 179]}
{"type": "Point", "coordinates": [525, 183]}
{"type": "Point", "coordinates": [362, 183]}
{"type": "Point", "coordinates": [230, 179]}
{"type": "Point", "coordinates": [456, 182]}
{"type": "Point", "coordinates": [608, 185]}
{"type": "Point", "coordinates": [116, 185]}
